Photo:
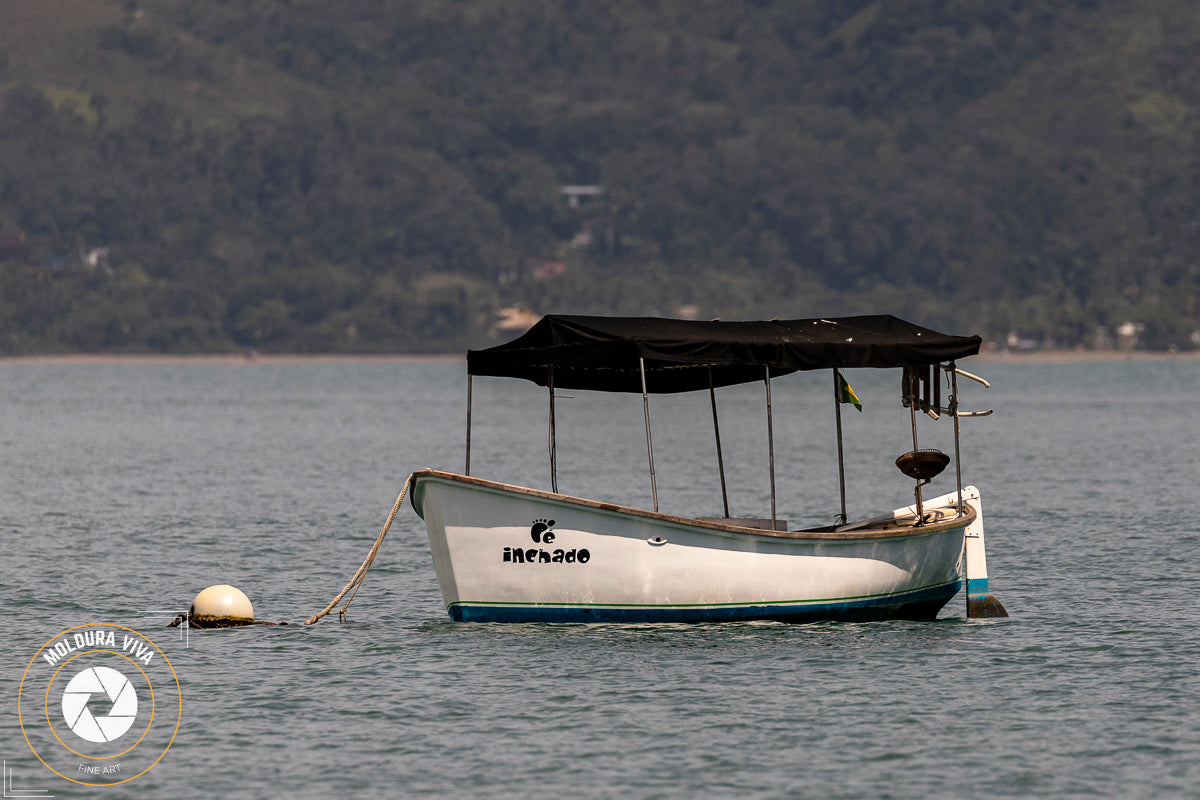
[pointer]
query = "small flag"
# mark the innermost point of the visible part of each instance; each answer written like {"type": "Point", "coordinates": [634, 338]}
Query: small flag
{"type": "Point", "coordinates": [846, 394]}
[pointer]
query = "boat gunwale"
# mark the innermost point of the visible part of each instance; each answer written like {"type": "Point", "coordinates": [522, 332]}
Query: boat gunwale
{"type": "Point", "coordinates": [881, 530]}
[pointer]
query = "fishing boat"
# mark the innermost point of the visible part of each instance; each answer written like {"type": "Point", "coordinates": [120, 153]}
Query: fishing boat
{"type": "Point", "coordinates": [508, 553]}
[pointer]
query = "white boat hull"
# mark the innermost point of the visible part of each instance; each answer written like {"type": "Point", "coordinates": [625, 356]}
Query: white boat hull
{"type": "Point", "coordinates": [510, 554]}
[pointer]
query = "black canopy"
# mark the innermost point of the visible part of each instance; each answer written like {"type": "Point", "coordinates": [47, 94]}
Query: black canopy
{"type": "Point", "coordinates": [601, 353]}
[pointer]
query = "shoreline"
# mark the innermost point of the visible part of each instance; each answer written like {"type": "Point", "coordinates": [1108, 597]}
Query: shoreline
{"type": "Point", "coordinates": [1080, 356]}
{"type": "Point", "coordinates": [72, 359]}
{"type": "Point", "coordinates": [62, 359]}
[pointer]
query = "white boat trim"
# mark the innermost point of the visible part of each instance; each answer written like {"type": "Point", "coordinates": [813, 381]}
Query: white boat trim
{"type": "Point", "coordinates": [897, 524]}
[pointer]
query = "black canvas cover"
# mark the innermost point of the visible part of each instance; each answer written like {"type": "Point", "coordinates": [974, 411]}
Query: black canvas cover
{"type": "Point", "coordinates": [602, 353]}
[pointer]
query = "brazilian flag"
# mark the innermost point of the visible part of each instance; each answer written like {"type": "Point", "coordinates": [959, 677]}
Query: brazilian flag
{"type": "Point", "coordinates": [846, 394]}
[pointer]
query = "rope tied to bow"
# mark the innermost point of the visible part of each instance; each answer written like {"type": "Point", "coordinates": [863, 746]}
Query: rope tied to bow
{"type": "Point", "coordinates": [357, 581]}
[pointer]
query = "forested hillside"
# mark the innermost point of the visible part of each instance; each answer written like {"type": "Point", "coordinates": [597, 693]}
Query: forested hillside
{"type": "Point", "coordinates": [384, 175]}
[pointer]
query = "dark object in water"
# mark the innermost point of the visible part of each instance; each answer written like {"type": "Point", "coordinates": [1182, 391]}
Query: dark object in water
{"type": "Point", "coordinates": [207, 623]}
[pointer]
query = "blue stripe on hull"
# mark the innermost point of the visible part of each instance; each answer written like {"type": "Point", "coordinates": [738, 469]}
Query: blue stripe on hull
{"type": "Point", "coordinates": [923, 604]}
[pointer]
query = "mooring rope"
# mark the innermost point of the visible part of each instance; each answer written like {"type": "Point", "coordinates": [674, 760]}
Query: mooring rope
{"type": "Point", "coordinates": [357, 581]}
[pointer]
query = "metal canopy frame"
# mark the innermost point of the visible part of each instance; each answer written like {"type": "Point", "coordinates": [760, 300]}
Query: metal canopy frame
{"type": "Point", "coordinates": [914, 394]}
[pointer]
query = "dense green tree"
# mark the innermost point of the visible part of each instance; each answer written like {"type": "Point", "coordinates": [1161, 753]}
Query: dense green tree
{"type": "Point", "coordinates": [375, 176]}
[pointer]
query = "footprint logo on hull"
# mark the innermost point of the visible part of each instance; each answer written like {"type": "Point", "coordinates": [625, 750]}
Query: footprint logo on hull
{"type": "Point", "coordinates": [541, 532]}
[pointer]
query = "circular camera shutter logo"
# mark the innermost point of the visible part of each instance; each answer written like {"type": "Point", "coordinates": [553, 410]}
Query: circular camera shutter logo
{"type": "Point", "coordinates": [99, 704]}
{"type": "Point", "coordinates": [103, 682]}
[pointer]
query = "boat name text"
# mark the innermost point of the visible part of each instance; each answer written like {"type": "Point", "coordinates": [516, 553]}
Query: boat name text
{"type": "Point", "coordinates": [535, 555]}
{"type": "Point", "coordinates": [541, 532]}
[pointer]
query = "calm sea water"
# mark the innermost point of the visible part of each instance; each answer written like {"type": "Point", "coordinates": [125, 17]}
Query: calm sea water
{"type": "Point", "coordinates": [127, 488]}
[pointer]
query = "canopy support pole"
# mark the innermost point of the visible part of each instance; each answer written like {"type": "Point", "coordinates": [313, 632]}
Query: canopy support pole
{"type": "Point", "coordinates": [649, 441]}
{"type": "Point", "coordinates": [770, 442]}
{"type": "Point", "coordinates": [712, 395]}
{"type": "Point", "coordinates": [912, 390]}
{"type": "Point", "coordinates": [837, 410]}
{"type": "Point", "coordinates": [957, 432]}
{"type": "Point", "coordinates": [553, 441]}
{"type": "Point", "coordinates": [467, 468]}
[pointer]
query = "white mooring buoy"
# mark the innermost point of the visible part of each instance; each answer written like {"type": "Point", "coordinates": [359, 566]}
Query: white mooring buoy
{"type": "Point", "coordinates": [220, 607]}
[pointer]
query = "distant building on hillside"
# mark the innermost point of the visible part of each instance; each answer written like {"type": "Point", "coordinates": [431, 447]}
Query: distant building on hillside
{"type": "Point", "coordinates": [13, 248]}
{"type": "Point", "coordinates": [1129, 335]}
{"type": "Point", "coordinates": [546, 270]}
{"type": "Point", "coordinates": [598, 227]}
{"type": "Point", "coordinates": [513, 321]}
{"type": "Point", "coordinates": [96, 257]}
{"type": "Point", "coordinates": [578, 195]}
